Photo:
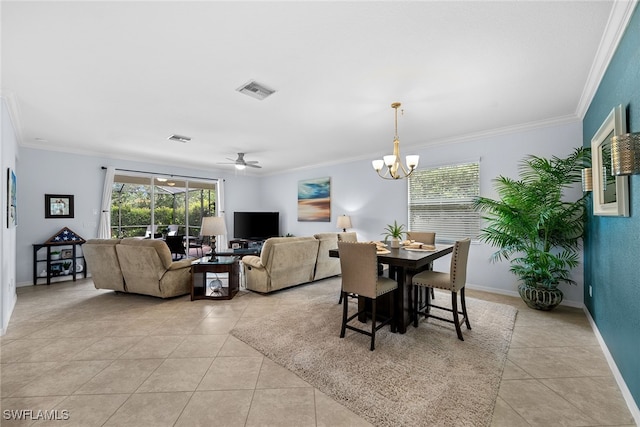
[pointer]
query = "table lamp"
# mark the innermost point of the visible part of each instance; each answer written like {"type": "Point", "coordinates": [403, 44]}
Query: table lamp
{"type": "Point", "coordinates": [213, 226]}
{"type": "Point", "coordinates": [344, 222]}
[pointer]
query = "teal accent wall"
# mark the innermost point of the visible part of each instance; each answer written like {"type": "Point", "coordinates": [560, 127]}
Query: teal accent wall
{"type": "Point", "coordinates": [612, 244]}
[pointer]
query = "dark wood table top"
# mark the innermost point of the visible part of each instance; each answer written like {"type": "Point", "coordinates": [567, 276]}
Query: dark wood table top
{"type": "Point", "coordinates": [411, 260]}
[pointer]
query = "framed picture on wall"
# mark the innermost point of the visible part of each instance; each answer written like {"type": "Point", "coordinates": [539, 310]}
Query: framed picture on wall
{"type": "Point", "coordinates": [12, 219]}
{"type": "Point", "coordinates": [58, 206]}
{"type": "Point", "coordinates": [314, 200]}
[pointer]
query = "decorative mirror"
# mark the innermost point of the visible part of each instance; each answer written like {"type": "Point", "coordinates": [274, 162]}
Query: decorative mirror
{"type": "Point", "coordinates": [610, 193]}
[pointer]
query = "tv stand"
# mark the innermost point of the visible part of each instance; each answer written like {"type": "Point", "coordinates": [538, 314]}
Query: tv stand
{"type": "Point", "coordinates": [245, 244]}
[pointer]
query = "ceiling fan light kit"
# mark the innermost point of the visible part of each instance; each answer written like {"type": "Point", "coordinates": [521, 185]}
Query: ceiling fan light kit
{"type": "Point", "coordinates": [240, 163]}
{"type": "Point", "coordinates": [179, 138]}
{"type": "Point", "coordinates": [395, 169]}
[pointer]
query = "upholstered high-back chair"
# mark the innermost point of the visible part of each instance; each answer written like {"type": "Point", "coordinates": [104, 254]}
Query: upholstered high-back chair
{"type": "Point", "coordinates": [454, 282]}
{"type": "Point", "coordinates": [426, 237]}
{"type": "Point", "coordinates": [359, 264]}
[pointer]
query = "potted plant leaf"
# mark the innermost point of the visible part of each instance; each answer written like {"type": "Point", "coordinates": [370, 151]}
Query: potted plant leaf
{"type": "Point", "coordinates": [65, 267]}
{"type": "Point", "coordinates": [395, 233]}
{"type": "Point", "coordinates": [535, 227]}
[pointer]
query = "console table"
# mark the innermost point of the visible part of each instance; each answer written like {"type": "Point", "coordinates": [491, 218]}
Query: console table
{"type": "Point", "coordinates": [204, 278]}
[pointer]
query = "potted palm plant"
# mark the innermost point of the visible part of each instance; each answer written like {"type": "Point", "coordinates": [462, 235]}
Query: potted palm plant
{"type": "Point", "coordinates": [395, 233]}
{"type": "Point", "coordinates": [535, 227]}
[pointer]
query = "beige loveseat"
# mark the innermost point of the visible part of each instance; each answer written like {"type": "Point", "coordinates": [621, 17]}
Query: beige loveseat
{"type": "Point", "coordinates": [140, 266]}
{"type": "Point", "coordinates": [290, 261]}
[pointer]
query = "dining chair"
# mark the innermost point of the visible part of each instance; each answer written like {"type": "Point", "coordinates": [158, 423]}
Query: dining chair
{"type": "Point", "coordinates": [426, 237]}
{"type": "Point", "coordinates": [197, 243]}
{"type": "Point", "coordinates": [176, 246]}
{"type": "Point", "coordinates": [346, 236]}
{"type": "Point", "coordinates": [454, 282]}
{"type": "Point", "coordinates": [359, 263]}
{"type": "Point", "coordinates": [172, 229]}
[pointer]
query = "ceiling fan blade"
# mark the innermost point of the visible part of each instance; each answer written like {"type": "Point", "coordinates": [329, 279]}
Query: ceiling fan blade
{"type": "Point", "coordinates": [251, 165]}
{"type": "Point", "coordinates": [251, 161]}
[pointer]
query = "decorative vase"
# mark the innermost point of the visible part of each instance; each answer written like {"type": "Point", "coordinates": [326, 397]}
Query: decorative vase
{"type": "Point", "coordinates": [395, 242]}
{"type": "Point", "coordinates": [540, 297]}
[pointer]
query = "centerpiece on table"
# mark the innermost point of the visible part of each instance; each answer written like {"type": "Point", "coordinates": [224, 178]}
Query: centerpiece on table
{"type": "Point", "coordinates": [394, 233]}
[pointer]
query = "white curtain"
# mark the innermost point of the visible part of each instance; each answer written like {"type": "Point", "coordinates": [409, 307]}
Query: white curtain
{"type": "Point", "coordinates": [104, 230]}
{"type": "Point", "coordinates": [221, 241]}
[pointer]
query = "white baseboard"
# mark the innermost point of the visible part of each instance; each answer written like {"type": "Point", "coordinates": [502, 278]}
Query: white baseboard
{"type": "Point", "coordinates": [3, 327]}
{"type": "Point", "coordinates": [626, 394]}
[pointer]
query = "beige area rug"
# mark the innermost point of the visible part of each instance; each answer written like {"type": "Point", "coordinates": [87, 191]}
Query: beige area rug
{"type": "Point", "coordinates": [426, 377]}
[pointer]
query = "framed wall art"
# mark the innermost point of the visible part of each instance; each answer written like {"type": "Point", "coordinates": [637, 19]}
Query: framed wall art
{"type": "Point", "coordinates": [58, 206]}
{"type": "Point", "coordinates": [314, 200]}
{"type": "Point", "coordinates": [12, 219]}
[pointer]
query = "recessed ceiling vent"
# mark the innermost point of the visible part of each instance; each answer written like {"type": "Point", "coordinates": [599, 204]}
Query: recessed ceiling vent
{"type": "Point", "coordinates": [256, 90]}
{"type": "Point", "coordinates": [179, 138]}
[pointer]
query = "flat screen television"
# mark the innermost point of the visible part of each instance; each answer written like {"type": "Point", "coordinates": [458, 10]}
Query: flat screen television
{"type": "Point", "coordinates": [256, 225]}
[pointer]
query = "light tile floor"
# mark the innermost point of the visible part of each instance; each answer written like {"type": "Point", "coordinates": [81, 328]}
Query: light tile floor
{"type": "Point", "coordinates": [107, 359]}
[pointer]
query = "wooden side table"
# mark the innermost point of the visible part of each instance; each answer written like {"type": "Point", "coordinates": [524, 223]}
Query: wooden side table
{"type": "Point", "coordinates": [204, 278]}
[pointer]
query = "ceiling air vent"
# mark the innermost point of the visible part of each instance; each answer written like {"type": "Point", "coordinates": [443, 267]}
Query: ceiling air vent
{"type": "Point", "coordinates": [179, 138]}
{"type": "Point", "coordinates": [255, 90]}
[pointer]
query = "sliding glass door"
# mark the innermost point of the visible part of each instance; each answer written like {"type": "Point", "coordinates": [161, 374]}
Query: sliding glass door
{"type": "Point", "coordinates": [148, 206]}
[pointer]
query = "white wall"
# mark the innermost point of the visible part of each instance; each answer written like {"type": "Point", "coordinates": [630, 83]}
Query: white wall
{"type": "Point", "coordinates": [356, 190]}
{"type": "Point", "coordinates": [51, 172]}
{"type": "Point", "coordinates": [8, 155]}
{"type": "Point", "coordinates": [372, 203]}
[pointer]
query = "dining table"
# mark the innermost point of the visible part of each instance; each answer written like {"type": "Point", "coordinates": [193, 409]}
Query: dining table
{"type": "Point", "coordinates": [403, 264]}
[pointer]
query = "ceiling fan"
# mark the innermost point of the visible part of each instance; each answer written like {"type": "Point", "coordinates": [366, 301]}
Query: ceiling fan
{"type": "Point", "coordinates": [241, 163]}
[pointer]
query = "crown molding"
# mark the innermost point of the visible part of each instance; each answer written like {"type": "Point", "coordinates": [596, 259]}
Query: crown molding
{"type": "Point", "coordinates": [11, 101]}
{"type": "Point", "coordinates": [619, 18]}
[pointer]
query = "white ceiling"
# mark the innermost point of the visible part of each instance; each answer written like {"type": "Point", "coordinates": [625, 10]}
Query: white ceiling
{"type": "Point", "coordinates": [117, 78]}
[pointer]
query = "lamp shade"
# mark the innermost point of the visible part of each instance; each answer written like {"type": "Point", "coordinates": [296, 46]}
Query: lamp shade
{"type": "Point", "coordinates": [213, 226]}
{"type": "Point", "coordinates": [344, 222]}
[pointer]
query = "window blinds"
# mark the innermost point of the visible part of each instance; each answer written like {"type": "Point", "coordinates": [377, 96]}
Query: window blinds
{"type": "Point", "coordinates": [441, 200]}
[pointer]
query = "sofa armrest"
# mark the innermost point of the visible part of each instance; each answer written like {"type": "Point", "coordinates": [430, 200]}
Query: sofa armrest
{"type": "Point", "coordinates": [252, 261]}
{"type": "Point", "coordinates": [183, 263]}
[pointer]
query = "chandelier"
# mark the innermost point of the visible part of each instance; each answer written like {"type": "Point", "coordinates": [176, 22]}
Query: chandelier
{"type": "Point", "coordinates": [395, 169]}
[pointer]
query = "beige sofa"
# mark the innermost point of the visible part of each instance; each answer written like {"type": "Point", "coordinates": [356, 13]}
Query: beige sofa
{"type": "Point", "coordinates": [290, 261]}
{"type": "Point", "coordinates": [140, 266]}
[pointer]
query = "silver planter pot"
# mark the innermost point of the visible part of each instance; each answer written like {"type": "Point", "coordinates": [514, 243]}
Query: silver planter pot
{"type": "Point", "coordinates": [540, 298]}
